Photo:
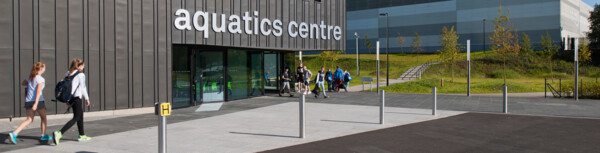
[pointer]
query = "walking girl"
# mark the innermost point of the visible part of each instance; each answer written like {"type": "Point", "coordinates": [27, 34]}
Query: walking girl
{"type": "Point", "coordinates": [34, 101]}
{"type": "Point", "coordinates": [79, 91]}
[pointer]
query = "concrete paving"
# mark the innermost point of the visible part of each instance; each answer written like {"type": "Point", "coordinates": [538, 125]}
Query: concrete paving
{"type": "Point", "coordinates": [273, 117]}
{"type": "Point", "coordinates": [252, 130]}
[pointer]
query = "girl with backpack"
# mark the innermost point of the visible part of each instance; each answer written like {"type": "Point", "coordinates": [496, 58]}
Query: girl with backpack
{"type": "Point", "coordinates": [347, 79]}
{"type": "Point", "coordinates": [34, 101]}
{"type": "Point", "coordinates": [79, 91]}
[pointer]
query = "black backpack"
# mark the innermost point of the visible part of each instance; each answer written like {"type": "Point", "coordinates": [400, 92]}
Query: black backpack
{"type": "Point", "coordinates": [63, 89]}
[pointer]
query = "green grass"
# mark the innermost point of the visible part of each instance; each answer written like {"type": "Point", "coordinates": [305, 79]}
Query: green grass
{"type": "Point", "coordinates": [523, 75]}
{"type": "Point", "coordinates": [399, 63]}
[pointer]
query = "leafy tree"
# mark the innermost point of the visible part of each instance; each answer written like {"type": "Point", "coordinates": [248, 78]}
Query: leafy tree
{"type": "Point", "coordinates": [585, 54]}
{"type": "Point", "coordinates": [526, 47]}
{"type": "Point", "coordinates": [594, 34]}
{"type": "Point", "coordinates": [368, 43]}
{"type": "Point", "coordinates": [416, 45]}
{"type": "Point", "coordinates": [505, 39]}
{"type": "Point", "coordinates": [331, 55]}
{"type": "Point", "coordinates": [450, 47]}
{"type": "Point", "coordinates": [401, 42]}
{"type": "Point", "coordinates": [550, 48]}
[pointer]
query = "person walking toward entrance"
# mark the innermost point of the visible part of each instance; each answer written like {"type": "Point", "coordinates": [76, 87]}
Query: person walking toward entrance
{"type": "Point", "coordinates": [338, 77]}
{"type": "Point", "coordinates": [300, 78]}
{"type": "Point", "coordinates": [347, 79]}
{"type": "Point", "coordinates": [329, 76]}
{"type": "Point", "coordinates": [79, 91]}
{"type": "Point", "coordinates": [34, 101]}
{"type": "Point", "coordinates": [320, 79]}
{"type": "Point", "coordinates": [307, 76]}
{"type": "Point", "coordinates": [285, 78]}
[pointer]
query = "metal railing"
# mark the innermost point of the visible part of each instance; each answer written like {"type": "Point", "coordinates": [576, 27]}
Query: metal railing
{"type": "Point", "coordinates": [416, 73]}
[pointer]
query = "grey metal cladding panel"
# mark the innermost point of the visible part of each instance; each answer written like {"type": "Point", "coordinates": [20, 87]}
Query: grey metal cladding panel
{"type": "Point", "coordinates": [137, 52]}
{"type": "Point", "coordinates": [245, 39]}
{"type": "Point", "coordinates": [47, 49]}
{"type": "Point", "coordinates": [226, 36]}
{"type": "Point", "coordinates": [190, 36]}
{"type": "Point", "coordinates": [61, 59]}
{"type": "Point", "coordinates": [198, 35]}
{"type": "Point", "coordinates": [262, 13]}
{"type": "Point", "coordinates": [148, 54]}
{"type": "Point", "coordinates": [75, 29]}
{"type": "Point", "coordinates": [163, 44]}
{"type": "Point", "coordinates": [26, 45]}
{"type": "Point", "coordinates": [176, 35]}
{"type": "Point", "coordinates": [236, 9]}
{"type": "Point", "coordinates": [297, 17]}
{"type": "Point", "coordinates": [109, 56]}
{"type": "Point", "coordinates": [218, 35]}
{"type": "Point", "coordinates": [121, 61]}
{"type": "Point", "coordinates": [253, 39]}
{"type": "Point", "coordinates": [210, 7]}
{"type": "Point", "coordinates": [285, 19]}
{"type": "Point", "coordinates": [164, 71]}
{"type": "Point", "coordinates": [6, 58]}
{"type": "Point", "coordinates": [275, 13]}
{"type": "Point", "coordinates": [6, 92]}
{"type": "Point", "coordinates": [93, 67]}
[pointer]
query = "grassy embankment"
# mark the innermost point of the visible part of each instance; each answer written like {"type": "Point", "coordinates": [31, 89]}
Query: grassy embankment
{"type": "Point", "coordinates": [399, 63]}
{"type": "Point", "coordinates": [523, 75]}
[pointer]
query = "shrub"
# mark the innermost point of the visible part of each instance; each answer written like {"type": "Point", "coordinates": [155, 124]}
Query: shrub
{"type": "Point", "coordinates": [510, 74]}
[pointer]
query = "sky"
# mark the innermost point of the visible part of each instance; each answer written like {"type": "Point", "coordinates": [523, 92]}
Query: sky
{"type": "Point", "coordinates": [592, 2]}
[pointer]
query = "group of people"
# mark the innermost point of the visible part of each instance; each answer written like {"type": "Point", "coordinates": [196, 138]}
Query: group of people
{"type": "Point", "coordinates": [335, 81]}
{"type": "Point", "coordinates": [34, 101]}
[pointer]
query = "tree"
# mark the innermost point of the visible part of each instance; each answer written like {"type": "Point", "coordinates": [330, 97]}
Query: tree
{"type": "Point", "coordinates": [585, 55]}
{"type": "Point", "coordinates": [594, 34]}
{"type": "Point", "coordinates": [450, 47]}
{"type": "Point", "coordinates": [505, 39]}
{"type": "Point", "coordinates": [550, 48]}
{"type": "Point", "coordinates": [526, 47]}
{"type": "Point", "coordinates": [401, 42]}
{"type": "Point", "coordinates": [331, 55]}
{"type": "Point", "coordinates": [416, 45]}
{"type": "Point", "coordinates": [368, 43]}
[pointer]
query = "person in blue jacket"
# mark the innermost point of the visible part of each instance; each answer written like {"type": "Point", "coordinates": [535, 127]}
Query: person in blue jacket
{"type": "Point", "coordinates": [347, 79]}
{"type": "Point", "coordinates": [338, 78]}
{"type": "Point", "coordinates": [329, 76]}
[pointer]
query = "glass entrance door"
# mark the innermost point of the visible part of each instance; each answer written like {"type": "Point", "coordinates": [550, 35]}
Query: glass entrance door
{"type": "Point", "coordinates": [272, 71]}
{"type": "Point", "coordinates": [208, 76]}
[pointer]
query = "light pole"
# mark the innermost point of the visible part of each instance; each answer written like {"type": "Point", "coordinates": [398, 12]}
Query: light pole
{"type": "Point", "coordinates": [576, 95]}
{"type": "Point", "coordinates": [387, 44]}
{"type": "Point", "coordinates": [468, 67]}
{"type": "Point", "coordinates": [357, 58]}
{"type": "Point", "coordinates": [483, 35]}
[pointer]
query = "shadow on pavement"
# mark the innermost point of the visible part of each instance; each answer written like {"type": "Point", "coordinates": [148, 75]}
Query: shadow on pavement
{"type": "Point", "coordinates": [349, 122]}
{"type": "Point", "coordinates": [268, 135]}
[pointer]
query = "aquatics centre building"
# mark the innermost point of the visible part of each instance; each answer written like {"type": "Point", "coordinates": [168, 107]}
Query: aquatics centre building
{"type": "Point", "coordinates": [139, 52]}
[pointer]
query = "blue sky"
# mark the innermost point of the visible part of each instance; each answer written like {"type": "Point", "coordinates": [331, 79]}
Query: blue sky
{"type": "Point", "coordinates": [592, 2]}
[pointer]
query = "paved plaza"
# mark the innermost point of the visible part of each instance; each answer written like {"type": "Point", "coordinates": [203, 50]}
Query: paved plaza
{"type": "Point", "coordinates": [271, 122]}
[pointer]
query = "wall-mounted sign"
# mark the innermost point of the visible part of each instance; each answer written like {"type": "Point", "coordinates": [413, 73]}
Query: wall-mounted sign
{"type": "Point", "coordinates": [250, 24]}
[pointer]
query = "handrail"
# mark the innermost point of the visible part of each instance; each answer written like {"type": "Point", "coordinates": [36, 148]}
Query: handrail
{"type": "Point", "coordinates": [421, 69]}
{"type": "Point", "coordinates": [553, 91]}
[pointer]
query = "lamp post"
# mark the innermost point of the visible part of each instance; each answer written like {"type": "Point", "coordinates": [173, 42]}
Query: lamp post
{"type": "Point", "coordinates": [387, 43]}
{"type": "Point", "coordinates": [357, 57]}
{"type": "Point", "coordinates": [483, 35]}
{"type": "Point", "coordinates": [576, 94]}
{"type": "Point", "coordinates": [468, 67]}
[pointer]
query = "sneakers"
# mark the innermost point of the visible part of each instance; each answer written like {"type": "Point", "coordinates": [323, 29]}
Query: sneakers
{"type": "Point", "coordinates": [45, 137]}
{"type": "Point", "coordinates": [83, 138]}
{"type": "Point", "coordinates": [13, 137]}
{"type": "Point", "coordinates": [57, 135]}
{"type": "Point", "coordinates": [325, 96]}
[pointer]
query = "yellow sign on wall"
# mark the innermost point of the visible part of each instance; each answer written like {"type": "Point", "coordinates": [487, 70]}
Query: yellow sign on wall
{"type": "Point", "coordinates": [165, 109]}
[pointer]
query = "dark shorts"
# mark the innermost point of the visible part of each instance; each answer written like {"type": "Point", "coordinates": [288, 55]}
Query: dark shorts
{"type": "Point", "coordinates": [29, 105]}
{"type": "Point", "coordinates": [300, 79]}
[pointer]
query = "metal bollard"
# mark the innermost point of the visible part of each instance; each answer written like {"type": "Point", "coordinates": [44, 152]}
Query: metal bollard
{"type": "Point", "coordinates": [545, 88]}
{"type": "Point", "coordinates": [434, 108]}
{"type": "Point", "coordinates": [382, 107]}
{"type": "Point", "coordinates": [505, 110]}
{"type": "Point", "coordinates": [162, 110]}
{"type": "Point", "coordinates": [302, 102]}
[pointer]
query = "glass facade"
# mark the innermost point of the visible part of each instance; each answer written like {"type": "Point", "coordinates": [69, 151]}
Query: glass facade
{"type": "Point", "coordinates": [213, 74]}
{"type": "Point", "coordinates": [181, 76]}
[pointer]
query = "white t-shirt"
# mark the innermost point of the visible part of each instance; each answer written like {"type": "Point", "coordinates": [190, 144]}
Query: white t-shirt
{"type": "Point", "coordinates": [32, 88]}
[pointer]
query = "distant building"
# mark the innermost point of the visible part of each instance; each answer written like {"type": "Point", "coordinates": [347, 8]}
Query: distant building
{"type": "Point", "coordinates": [560, 18]}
